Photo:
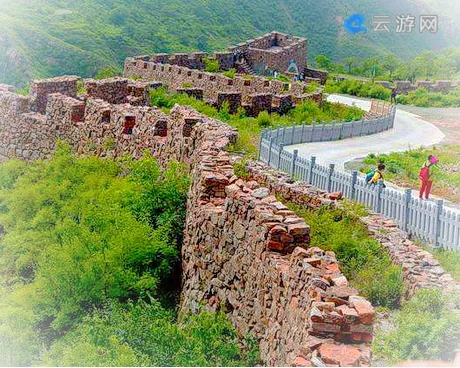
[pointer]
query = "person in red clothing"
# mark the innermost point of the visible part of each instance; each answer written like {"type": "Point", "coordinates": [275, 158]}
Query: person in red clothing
{"type": "Point", "coordinates": [425, 176]}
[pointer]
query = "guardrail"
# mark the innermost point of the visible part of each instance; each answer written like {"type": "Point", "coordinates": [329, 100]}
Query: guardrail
{"type": "Point", "coordinates": [431, 222]}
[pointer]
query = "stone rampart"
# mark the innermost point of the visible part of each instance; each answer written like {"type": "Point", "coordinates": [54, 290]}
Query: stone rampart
{"type": "Point", "coordinates": [243, 251]}
{"type": "Point", "coordinates": [215, 85]}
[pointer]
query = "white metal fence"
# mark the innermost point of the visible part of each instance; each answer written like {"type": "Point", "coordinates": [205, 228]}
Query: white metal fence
{"type": "Point", "coordinates": [429, 221]}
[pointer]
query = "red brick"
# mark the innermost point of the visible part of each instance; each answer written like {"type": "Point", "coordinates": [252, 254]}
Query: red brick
{"type": "Point", "coordinates": [343, 355]}
{"type": "Point", "coordinates": [300, 361]}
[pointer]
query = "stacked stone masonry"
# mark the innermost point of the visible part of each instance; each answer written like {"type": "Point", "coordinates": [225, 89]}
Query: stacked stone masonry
{"type": "Point", "coordinates": [404, 87]}
{"type": "Point", "coordinates": [420, 268]}
{"type": "Point", "coordinates": [243, 250]}
{"type": "Point", "coordinates": [254, 95]}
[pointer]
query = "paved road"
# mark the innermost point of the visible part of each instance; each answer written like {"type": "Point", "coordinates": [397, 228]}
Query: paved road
{"type": "Point", "coordinates": [409, 131]}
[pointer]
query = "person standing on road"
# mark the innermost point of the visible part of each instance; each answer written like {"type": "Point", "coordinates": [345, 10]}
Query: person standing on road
{"type": "Point", "coordinates": [426, 177]}
{"type": "Point", "coordinates": [393, 95]}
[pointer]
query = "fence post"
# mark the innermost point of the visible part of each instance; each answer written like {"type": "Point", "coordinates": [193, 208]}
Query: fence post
{"type": "Point", "coordinates": [310, 171]}
{"type": "Point", "coordinates": [281, 145]}
{"type": "Point", "coordinates": [378, 203]}
{"type": "Point", "coordinates": [292, 135]}
{"type": "Point", "coordinates": [294, 158]}
{"type": "Point", "coordinates": [354, 180]}
{"type": "Point", "coordinates": [262, 135]}
{"type": "Point", "coordinates": [303, 130]}
{"type": "Point", "coordinates": [284, 132]}
{"type": "Point", "coordinates": [270, 146]}
{"type": "Point", "coordinates": [329, 177]}
{"type": "Point", "coordinates": [407, 198]}
{"type": "Point", "coordinates": [313, 124]}
{"type": "Point", "coordinates": [437, 225]}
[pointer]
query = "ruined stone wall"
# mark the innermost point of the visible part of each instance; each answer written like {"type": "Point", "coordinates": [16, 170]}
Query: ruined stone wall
{"type": "Point", "coordinates": [420, 268]}
{"type": "Point", "coordinates": [243, 250]}
{"type": "Point", "coordinates": [215, 85]}
{"type": "Point", "coordinates": [274, 51]}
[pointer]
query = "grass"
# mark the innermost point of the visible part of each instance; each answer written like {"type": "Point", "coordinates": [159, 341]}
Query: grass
{"type": "Point", "coordinates": [403, 168]}
{"type": "Point", "coordinates": [449, 260]}
{"type": "Point", "coordinates": [424, 329]}
{"type": "Point", "coordinates": [249, 128]}
{"type": "Point", "coordinates": [357, 88]}
{"type": "Point", "coordinates": [363, 260]}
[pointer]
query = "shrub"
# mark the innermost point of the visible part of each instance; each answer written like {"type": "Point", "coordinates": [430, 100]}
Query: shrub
{"type": "Point", "coordinates": [148, 335]}
{"type": "Point", "coordinates": [107, 72]}
{"type": "Point", "coordinates": [230, 73]}
{"type": "Point", "coordinates": [240, 169]}
{"type": "Point", "coordinates": [96, 230]}
{"type": "Point", "coordinates": [187, 85]}
{"type": "Point", "coordinates": [425, 329]}
{"type": "Point", "coordinates": [263, 119]}
{"type": "Point", "coordinates": [211, 65]}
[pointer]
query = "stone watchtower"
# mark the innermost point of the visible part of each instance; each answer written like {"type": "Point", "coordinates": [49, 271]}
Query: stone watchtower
{"type": "Point", "coordinates": [274, 51]}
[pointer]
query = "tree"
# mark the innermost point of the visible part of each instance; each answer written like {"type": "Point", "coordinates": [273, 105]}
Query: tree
{"type": "Point", "coordinates": [390, 62]}
{"type": "Point", "coordinates": [350, 62]}
{"type": "Point", "coordinates": [323, 62]}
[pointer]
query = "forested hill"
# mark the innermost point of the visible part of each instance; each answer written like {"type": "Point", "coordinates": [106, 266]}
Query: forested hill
{"type": "Point", "coordinates": [39, 38]}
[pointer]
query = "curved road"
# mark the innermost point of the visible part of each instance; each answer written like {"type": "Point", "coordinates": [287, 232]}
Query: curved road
{"type": "Point", "coordinates": [409, 131]}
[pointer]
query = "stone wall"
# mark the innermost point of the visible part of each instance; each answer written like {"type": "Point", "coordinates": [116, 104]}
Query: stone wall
{"type": "Point", "coordinates": [242, 250]}
{"type": "Point", "coordinates": [420, 268]}
{"type": "Point", "coordinates": [215, 85]}
{"type": "Point", "coordinates": [442, 86]}
{"type": "Point", "coordinates": [274, 51]}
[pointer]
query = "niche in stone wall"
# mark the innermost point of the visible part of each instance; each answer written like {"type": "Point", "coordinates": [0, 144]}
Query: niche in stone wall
{"type": "Point", "coordinates": [247, 82]}
{"type": "Point", "coordinates": [145, 65]}
{"type": "Point", "coordinates": [129, 123]}
{"type": "Point", "coordinates": [106, 117]}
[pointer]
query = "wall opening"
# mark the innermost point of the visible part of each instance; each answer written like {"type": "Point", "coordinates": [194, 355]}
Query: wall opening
{"type": "Point", "coordinates": [129, 123]}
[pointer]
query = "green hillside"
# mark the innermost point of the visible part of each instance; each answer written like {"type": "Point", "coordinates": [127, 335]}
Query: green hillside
{"type": "Point", "coordinates": [39, 38]}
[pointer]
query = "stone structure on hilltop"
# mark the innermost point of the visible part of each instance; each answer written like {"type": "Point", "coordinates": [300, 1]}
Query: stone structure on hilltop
{"type": "Point", "coordinates": [274, 51]}
{"type": "Point", "coordinates": [253, 95]}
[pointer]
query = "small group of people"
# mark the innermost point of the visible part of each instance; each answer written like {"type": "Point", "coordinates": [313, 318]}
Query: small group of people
{"type": "Point", "coordinates": [237, 55]}
{"type": "Point", "coordinates": [299, 77]}
{"type": "Point", "coordinates": [425, 176]}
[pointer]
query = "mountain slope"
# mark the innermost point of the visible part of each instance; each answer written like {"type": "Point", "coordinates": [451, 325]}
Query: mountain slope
{"type": "Point", "coordinates": [42, 38]}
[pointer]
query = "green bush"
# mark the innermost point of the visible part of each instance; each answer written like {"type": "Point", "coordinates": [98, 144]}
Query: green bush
{"type": "Point", "coordinates": [107, 72]}
{"type": "Point", "coordinates": [357, 88]}
{"type": "Point", "coordinates": [240, 169]}
{"type": "Point", "coordinates": [211, 65]}
{"type": "Point", "coordinates": [79, 231]}
{"type": "Point", "coordinates": [230, 73]}
{"type": "Point", "coordinates": [421, 97]}
{"type": "Point", "coordinates": [148, 335]}
{"type": "Point", "coordinates": [263, 119]}
{"type": "Point", "coordinates": [363, 260]}
{"type": "Point", "coordinates": [425, 330]}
